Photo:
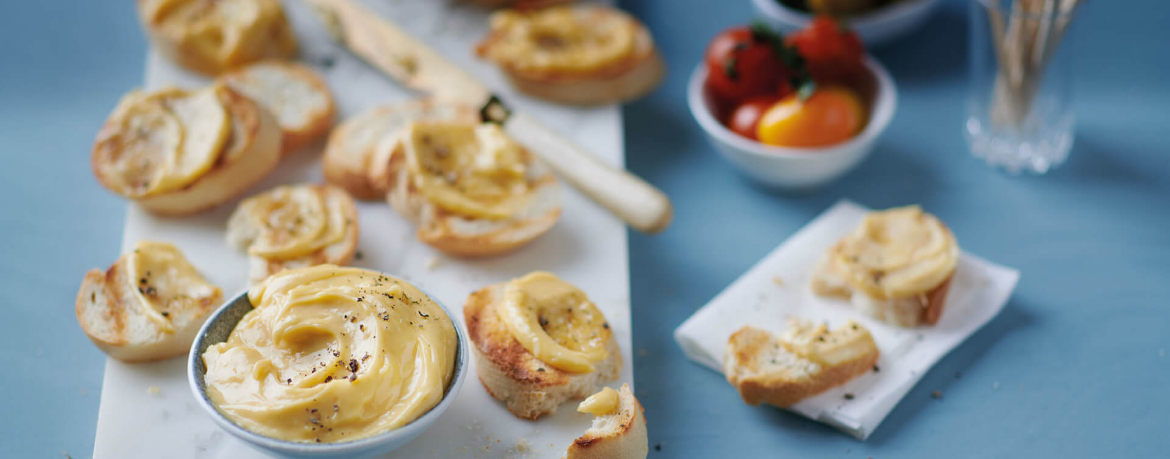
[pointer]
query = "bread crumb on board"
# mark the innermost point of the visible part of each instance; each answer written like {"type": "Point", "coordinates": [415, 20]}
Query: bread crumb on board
{"type": "Point", "coordinates": [153, 390]}
{"type": "Point", "coordinates": [432, 263]}
{"type": "Point", "coordinates": [777, 280]}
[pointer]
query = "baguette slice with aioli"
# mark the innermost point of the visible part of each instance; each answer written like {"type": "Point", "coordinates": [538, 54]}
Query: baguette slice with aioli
{"type": "Point", "coordinates": [213, 36]}
{"type": "Point", "coordinates": [582, 54]}
{"type": "Point", "coordinates": [896, 266]}
{"type": "Point", "coordinates": [436, 198]}
{"type": "Point", "coordinates": [147, 306]}
{"type": "Point", "coordinates": [235, 141]}
{"type": "Point", "coordinates": [294, 93]}
{"type": "Point", "coordinates": [803, 362]}
{"type": "Point", "coordinates": [351, 147]}
{"type": "Point", "coordinates": [295, 227]}
{"type": "Point", "coordinates": [619, 428]}
{"type": "Point", "coordinates": [528, 386]}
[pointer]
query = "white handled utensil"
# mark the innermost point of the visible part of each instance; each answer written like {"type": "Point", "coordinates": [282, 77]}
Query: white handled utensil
{"type": "Point", "coordinates": [410, 62]}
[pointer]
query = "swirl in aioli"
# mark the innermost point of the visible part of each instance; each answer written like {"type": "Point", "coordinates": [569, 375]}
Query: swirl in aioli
{"type": "Point", "coordinates": [332, 354]}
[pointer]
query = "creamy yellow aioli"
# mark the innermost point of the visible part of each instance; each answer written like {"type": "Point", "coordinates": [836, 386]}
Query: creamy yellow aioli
{"type": "Point", "coordinates": [897, 253]}
{"type": "Point", "coordinates": [600, 404]}
{"type": "Point", "coordinates": [474, 170]}
{"type": "Point", "coordinates": [561, 39]}
{"type": "Point", "coordinates": [164, 281]}
{"type": "Point", "coordinates": [332, 354]}
{"type": "Point", "coordinates": [555, 321]}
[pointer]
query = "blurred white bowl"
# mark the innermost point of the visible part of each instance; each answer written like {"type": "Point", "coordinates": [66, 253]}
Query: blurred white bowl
{"type": "Point", "coordinates": [786, 167]}
{"type": "Point", "coordinates": [879, 27]}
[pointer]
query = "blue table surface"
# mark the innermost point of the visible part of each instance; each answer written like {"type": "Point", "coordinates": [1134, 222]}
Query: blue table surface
{"type": "Point", "coordinates": [1073, 367]}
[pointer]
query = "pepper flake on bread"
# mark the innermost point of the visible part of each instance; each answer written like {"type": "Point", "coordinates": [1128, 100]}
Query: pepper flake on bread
{"type": "Point", "coordinates": [538, 342]}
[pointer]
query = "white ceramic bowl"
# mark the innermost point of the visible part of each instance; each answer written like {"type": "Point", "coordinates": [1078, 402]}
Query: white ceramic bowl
{"type": "Point", "coordinates": [876, 28]}
{"type": "Point", "coordinates": [220, 325]}
{"type": "Point", "coordinates": [794, 168]}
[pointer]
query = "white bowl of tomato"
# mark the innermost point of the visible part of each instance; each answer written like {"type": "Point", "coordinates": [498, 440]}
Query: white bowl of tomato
{"type": "Point", "coordinates": [791, 113]}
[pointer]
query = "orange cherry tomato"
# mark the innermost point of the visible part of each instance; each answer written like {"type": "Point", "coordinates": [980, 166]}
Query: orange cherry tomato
{"type": "Point", "coordinates": [832, 114]}
{"type": "Point", "coordinates": [746, 117]}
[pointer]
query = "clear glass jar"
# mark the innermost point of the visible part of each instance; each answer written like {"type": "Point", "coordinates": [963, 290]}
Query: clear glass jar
{"type": "Point", "coordinates": [1019, 109]}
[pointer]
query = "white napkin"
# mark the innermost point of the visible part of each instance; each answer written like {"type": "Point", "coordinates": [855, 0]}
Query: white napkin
{"type": "Point", "coordinates": [777, 288]}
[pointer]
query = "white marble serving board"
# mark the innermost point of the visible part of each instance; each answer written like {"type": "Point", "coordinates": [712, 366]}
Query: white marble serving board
{"type": "Point", "coordinates": [587, 247]}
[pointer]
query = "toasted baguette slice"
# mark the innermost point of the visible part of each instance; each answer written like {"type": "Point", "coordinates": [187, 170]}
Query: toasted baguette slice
{"type": "Point", "coordinates": [351, 147]}
{"type": "Point", "coordinates": [294, 93]}
{"type": "Point", "coordinates": [475, 237]}
{"type": "Point", "coordinates": [460, 235]}
{"type": "Point", "coordinates": [250, 154]}
{"type": "Point", "coordinates": [211, 37]}
{"type": "Point", "coordinates": [620, 434]}
{"type": "Point", "coordinates": [119, 323]}
{"type": "Point", "coordinates": [766, 369]}
{"type": "Point", "coordinates": [896, 266]}
{"type": "Point", "coordinates": [627, 79]}
{"type": "Point", "coordinates": [528, 387]}
{"type": "Point", "coordinates": [925, 308]}
{"type": "Point", "coordinates": [244, 229]}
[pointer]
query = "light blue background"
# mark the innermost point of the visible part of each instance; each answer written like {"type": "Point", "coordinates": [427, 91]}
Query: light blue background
{"type": "Point", "coordinates": [1075, 353]}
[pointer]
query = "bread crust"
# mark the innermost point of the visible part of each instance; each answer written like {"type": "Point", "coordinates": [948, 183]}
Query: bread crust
{"type": "Point", "coordinates": [528, 387]}
{"type": "Point", "coordinates": [250, 154]}
{"type": "Point", "coordinates": [626, 439]}
{"type": "Point", "coordinates": [781, 387]}
{"type": "Point", "coordinates": [623, 81]}
{"type": "Point", "coordinates": [320, 121]}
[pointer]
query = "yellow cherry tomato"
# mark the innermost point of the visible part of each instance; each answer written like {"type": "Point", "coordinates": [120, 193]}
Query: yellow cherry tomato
{"type": "Point", "coordinates": [832, 114]}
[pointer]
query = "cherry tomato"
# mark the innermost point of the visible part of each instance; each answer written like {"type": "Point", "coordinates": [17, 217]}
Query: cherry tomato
{"type": "Point", "coordinates": [833, 54]}
{"type": "Point", "coordinates": [746, 117]}
{"type": "Point", "coordinates": [741, 65]}
{"type": "Point", "coordinates": [830, 115]}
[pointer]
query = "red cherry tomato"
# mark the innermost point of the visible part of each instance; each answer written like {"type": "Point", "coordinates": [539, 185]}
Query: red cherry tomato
{"type": "Point", "coordinates": [746, 117]}
{"type": "Point", "coordinates": [833, 54]}
{"type": "Point", "coordinates": [741, 65]}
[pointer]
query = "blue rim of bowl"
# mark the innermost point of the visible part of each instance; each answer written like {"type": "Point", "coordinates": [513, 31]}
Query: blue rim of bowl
{"type": "Point", "coordinates": [782, 12]}
{"type": "Point", "coordinates": [881, 114]}
{"type": "Point", "coordinates": [194, 372]}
